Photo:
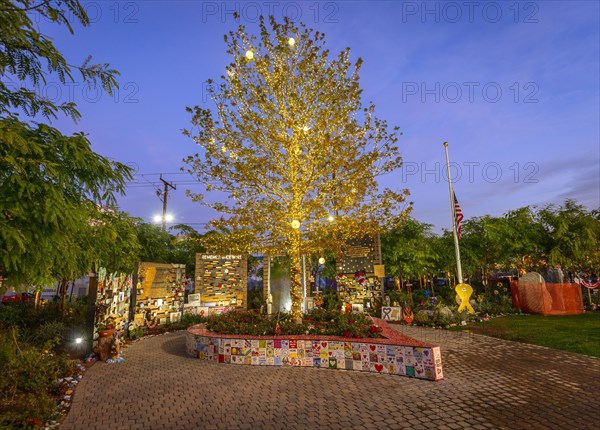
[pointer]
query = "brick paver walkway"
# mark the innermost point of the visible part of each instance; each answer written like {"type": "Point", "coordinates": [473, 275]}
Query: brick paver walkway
{"type": "Point", "coordinates": [489, 384]}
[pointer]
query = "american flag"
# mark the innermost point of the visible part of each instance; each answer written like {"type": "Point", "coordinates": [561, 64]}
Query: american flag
{"type": "Point", "coordinates": [458, 216]}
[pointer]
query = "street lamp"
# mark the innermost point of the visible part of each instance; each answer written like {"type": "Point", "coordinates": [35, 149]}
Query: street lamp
{"type": "Point", "coordinates": [164, 219]}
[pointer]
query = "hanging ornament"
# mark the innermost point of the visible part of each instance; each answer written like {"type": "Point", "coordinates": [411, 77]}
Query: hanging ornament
{"type": "Point", "coordinates": [295, 224]}
{"type": "Point", "coordinates": [249, 55]}
{"type": "Point", "coordinates": [291, 41]}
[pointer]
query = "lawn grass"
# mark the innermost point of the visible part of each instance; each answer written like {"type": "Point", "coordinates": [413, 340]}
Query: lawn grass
{"type": "Point", "coordinates": [574, 333]}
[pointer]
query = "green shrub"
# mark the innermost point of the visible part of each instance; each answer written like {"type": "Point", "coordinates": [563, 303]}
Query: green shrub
{"type": "Point", "coordinates": [423, 319]}
{"type": "Point", "coordinates": [27, 378]}
{"type": "Point", "coordinates": [16, 315]}
{"type": "Point", "coordinates": [189, 319]}
{"type": "Point", "coordinates": [330, 299]}
{"type": "Point", "coordinates": [49, 334]}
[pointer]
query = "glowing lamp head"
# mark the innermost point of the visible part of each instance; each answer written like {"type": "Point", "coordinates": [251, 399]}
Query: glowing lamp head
{"type": "Point", "coordinates": [291, 41]}
{"type": "Point", "coordinates": [169, 217]}
{"type": "Point", "coordinates": [78, 340]}
{"type": "Point", "coordinates": [157, 218]}
{"type": "Point", "coordinates": [295, 224]}
{"type": "Point", "coordinates": [330, 218]}
{"type": "Point", "coordinates": [249, 55]}
{"type": "Point", "coordinates": [321, 260]}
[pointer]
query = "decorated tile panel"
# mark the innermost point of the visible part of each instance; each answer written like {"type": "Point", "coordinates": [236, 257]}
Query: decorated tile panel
{"type": "Point", "coordinates": [418, 362]}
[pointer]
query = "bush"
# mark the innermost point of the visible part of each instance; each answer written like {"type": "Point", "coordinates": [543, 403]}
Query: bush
{"type": "Point", "coordinates": [16, 315]}
{"type": "Point", "coordinates": [49, 334]}
{"type": "Point", "coordinates": [28, 376]}
{"type": "Point", "coordinates": [330, 299]}
{"type": "Point", "coordinates": [189, 319]}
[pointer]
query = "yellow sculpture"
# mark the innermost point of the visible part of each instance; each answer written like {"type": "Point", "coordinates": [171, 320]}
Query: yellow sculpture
{"type": "Point", "coordinates": [464, 291]}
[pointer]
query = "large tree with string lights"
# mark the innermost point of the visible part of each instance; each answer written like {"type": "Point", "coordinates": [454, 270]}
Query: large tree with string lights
{"type": "Point", "coordinates": [291, 151]}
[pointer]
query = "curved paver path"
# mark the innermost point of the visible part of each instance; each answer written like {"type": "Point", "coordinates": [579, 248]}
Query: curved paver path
{"type": "Point", "coordinates": [489, 384]}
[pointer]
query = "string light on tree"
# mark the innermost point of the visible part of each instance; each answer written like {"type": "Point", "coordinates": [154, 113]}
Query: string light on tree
{"type": "Point", "coordinates": [314, 156]}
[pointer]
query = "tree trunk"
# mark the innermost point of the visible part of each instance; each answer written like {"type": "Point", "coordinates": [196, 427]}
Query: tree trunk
{"type": "Point", "coordinates": [296, 285]}
{"type": "Point", "coordinates": [72, 288]}
{"type": "Point", "coordinates": [295, 278]}
{"type": "Point", "coordinates": [63, 293]}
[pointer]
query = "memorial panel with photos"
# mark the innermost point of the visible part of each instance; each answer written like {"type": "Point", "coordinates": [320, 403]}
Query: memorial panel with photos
{"type": "Point", "coordinates": [358, 286]}
{"type": "Point", "coordinates": [160, 293]}
{"type": "Point", "coordinates": [112, 301]}
{"type": "Point", "coordinates": [222, 280]}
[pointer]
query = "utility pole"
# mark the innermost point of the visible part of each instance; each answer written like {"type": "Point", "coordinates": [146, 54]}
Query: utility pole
{"type": "Point", "coordinates": [165, 197]}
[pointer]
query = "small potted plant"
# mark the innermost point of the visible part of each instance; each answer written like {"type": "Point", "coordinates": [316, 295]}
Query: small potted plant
{"type": "Point", "coordinates": [106, 328]}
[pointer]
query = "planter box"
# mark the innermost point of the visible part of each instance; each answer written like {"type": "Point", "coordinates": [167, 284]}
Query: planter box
{"type": "Point", "coordinates": [395, 354]}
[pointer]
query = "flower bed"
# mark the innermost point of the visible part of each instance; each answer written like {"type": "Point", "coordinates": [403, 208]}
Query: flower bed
{"type": "Point", "coordinates": [393, 353]}
{"type": "Point", "coordinates": [319, 322]}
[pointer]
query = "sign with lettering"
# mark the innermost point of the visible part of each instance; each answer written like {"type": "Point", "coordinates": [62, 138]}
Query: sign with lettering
{"type": "Point", "coordinates": [360, 255]}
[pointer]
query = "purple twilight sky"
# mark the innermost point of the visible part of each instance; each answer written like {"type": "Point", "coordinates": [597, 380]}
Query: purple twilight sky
{"type": "Point", "coordinates": [514, 87]}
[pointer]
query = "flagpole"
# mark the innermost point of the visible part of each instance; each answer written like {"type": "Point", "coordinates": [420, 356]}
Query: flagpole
{"type": "Point", "coordinates": [452, 212]}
